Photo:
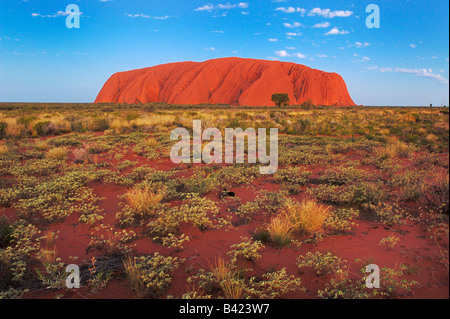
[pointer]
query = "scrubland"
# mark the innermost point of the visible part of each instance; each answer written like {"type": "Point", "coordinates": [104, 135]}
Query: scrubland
{"type": "Point", "coordinates": [93, 185]}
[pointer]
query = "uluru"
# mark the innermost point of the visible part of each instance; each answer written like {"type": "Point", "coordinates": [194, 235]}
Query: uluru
{"type": "Point", "coordinates": [234, 81]}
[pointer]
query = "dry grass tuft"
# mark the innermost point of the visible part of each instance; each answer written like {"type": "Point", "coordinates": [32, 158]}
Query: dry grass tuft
{"type": "Point", "coordinates": [135, 277]}
{"type": "Point", "coordinates": [228, 279]}
{"type": "Point", "coordinates": [143, 201]}
{"type": "Point", "coordinates": [306, 217]}
{"type": "Point", "coordinates": [280, 229]}
{"type": "Point", "coordinates": [58, 153]}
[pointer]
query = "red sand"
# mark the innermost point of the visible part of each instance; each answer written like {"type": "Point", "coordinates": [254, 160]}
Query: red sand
{"type": "Point", "coordinates": [226, 81]}
{"type": "Point", "coordinates": [414, 249]}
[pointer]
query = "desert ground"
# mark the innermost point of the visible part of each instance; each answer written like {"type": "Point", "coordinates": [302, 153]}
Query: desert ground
{"type": "Point", "coordinates": [93, 185]}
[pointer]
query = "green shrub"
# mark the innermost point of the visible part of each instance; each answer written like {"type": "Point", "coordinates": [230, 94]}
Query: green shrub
{"type": "Point", "coordinates": [150, 276]}
{"type": "Point", "coordinates": [321, 263]}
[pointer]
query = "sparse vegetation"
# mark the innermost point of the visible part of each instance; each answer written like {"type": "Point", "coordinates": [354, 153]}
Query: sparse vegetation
{"type": "Point", "coordinates": [102, 175]}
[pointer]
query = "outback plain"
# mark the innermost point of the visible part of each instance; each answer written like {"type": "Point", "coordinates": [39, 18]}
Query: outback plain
{"type": "Point", "coordinates": [93, 185]}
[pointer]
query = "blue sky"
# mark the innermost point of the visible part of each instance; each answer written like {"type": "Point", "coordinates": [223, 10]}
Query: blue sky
{"type": "Point", "coordinates": [404, 62]}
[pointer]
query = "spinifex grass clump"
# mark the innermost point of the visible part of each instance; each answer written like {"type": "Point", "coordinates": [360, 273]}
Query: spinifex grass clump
{"type": "Point", "coordinates": [143, 201]}
{"type": "Point", "coordinates": [280, 230]}
{"type": "Point", "coordinates": [307, 216]}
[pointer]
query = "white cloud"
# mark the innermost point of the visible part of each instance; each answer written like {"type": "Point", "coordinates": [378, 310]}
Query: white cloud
{"type": "Point", "coordinates": [327, 13]}
{"type": "Point", "coordinates": [57, 14]}
{"type": "Point", "coordinates": [293, 25]}
{"type": "Point", "coordinates": [322, 25]}
{"type": "Point", "coordinates": [282, 53]}
{"type": "Point", "coordinates": [360, 45]}
{"type": "Point", "coordinates": [425, 73]}
{"type": "Point", "coordinates": [226, 6]}
{"type": "Point", "coordinates": [291, 10]}
{"type": "Point", "coordinates": [413, 46]}
{"type": "Point", "coordinates": [137, 15]}
{"type": "Point", "coordinates": [273, 40]}
{"type": "Point", "coordinates": [299, 55]}
{"type": "Point", "coordinates": [293, 34]}
{"type": "Point", "coordinates": [322, 55]}
{"type": "Point", "coordinates": [146, 16]}
{"type": "Point", "coordinates": [206, 7]}
{"type": "Point", "coordinates": [336, 31]}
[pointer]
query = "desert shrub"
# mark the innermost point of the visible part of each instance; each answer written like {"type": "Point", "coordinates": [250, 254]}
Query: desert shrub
{"type": "Point", "coordinates": [292, 175]}
{"type": "Point", "coordinates": [54, 199]}
{"type": "Point", "coordinates": [41, 145]}
{"type": "Point", "coordinates": [392, 282]}
{"type": "Point", "coordinates": [321, 263]}
{"type": "Point", "coordinates": [340, 220]}
{"type": "Point", "coordinates": [332, 194]}
{"type": "Point", "coordinates": [271, 202]}
{"type": "Point", "coordinates": [273, 285]}
{"type": "Point", "coordinates": [44, 128]}
{"type": "Point", "coordinates": [357, 194]}
{"type": "Point", "coordinates": [388, 214]}
{"type": "Point", "coordinates": [412, 184]}
{"type": "Point", "coordinates": [368, 192]}
{"type": "Point", "coordinates": [199, 184]}
{"type": "Point", "coordinates": [292, 178]}
{"type": "Point", "coordinates": [164, 229]}
{"type": "Point", "coordinates": [196, 209]}
{"type": "Point", "coordinates": [4, 150]}
{"type": "Point", "coordinates": [3, 127]}
{"type": "Point", "coordinates": [99, 124]}
{"type": "Point", "coordinates": [247, 210]}
{"type": "Point", "coordinates": [389, 242]}
{"type": "Point", "coordinates": [105, 239]}
{"type": "Point", "coordinates": [237, 174]}
{"type": "Point", "coordinates": [342, 287]}
{"type": "Point", "coordinates": [6, 230]}
{"type": "Point", "coordinates": [36, 167]}
{"type": "Point", "coordinates": [435, 196]}
{"type": "Point", "coordinates": [307, 104]}
{"type": "Point", "coordinates": [343, 176]}
{"type": "Point", "coordinates": [68, 140]}
{"type": "Point", "coordinates": [224, 278]}
{"type": "Point", "coordinates": [150, 276]}
{"type": "Point", "coordinates": [15, 258]}
{"type": "Point", "coordinates": [57, 153]}
{"type": "Point", "coordinates": [248, 249]}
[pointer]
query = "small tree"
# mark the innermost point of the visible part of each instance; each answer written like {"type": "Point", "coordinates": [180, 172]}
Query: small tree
{"type": "Point", "coordinates": [280, 99]}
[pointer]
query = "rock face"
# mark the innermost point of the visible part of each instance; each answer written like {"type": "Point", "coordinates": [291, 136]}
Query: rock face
{"type": "Point", "coordinates": [234, 81]}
